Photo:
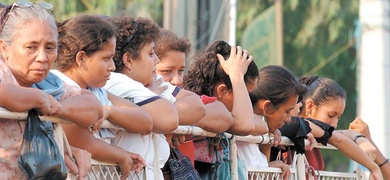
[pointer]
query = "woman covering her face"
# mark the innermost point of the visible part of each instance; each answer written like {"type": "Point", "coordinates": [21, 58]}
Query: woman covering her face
{"type": "Point", "coordinates": [26, 83]}
{"type": "Point", "coordinates": [323, 105]}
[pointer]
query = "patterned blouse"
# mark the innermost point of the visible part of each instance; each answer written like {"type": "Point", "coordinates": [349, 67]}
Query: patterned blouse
{"type": "Point", "coordinates": [11, 132]}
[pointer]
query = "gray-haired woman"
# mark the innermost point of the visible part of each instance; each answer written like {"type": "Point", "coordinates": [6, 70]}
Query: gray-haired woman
{"type": "Point", "coordinates": [28, 44]}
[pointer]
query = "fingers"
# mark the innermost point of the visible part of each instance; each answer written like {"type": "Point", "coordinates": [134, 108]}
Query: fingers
{"type": "Point", "coordinates": [175, 141]}
{"type": "Point", "coordinates": [72, 166]}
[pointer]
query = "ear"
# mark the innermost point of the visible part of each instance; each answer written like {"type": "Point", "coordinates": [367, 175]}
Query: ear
{"type": "Point", "coordinates": [127, 59]}
{"type": "Point", "coordinates": [222, 91]}
{"type": "Point", "coordinates": [268, 107]}
{"type": "Point", "coordinates": [80, 57]}
{"type": "Point", "coordinates": [309, 105]}
{"type": "Point", "coordinates": [4, 49]}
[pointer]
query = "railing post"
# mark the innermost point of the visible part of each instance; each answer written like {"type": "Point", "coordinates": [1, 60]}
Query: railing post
{"type": "Point", "coordinates": [233, 159]}
{"type": "Point", "coordinates": [301, 166]}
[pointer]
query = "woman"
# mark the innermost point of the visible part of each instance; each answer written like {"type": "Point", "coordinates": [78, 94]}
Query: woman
{"type": "Point", "coordinates": [26, 61]}
{"type": "Point", "coordinates": [136, 61]}
{"type": "Point", "coordinates": [172, 52]}
{"type": "Point", "coordinates": [226, 73]}
{"type": "Point", "coordinates": [85, 60]}
{"type": "Point", "coordinates": [220, 70]}
{"type": "Point", "coordinates": [274, 97]}
{"type": "Point", "coordinates": [323, 105]}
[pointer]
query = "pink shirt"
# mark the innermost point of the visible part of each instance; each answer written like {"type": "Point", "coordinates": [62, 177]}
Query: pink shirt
{"type": "Point", "coordinates": [11, 132]}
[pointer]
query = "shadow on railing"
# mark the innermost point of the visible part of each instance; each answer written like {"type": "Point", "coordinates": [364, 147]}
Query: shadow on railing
{"type": "Point", "coordinates": [107, 171]}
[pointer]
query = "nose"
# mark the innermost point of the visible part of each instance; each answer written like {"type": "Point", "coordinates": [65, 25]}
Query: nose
{"type": "Point", "coordinates": [42, 55]}
{"type": "Point", "coordinates": [156, 60]}
{"type": "Point", "coordinates": [111, 66]}
{"type": "Point", "coordinates": [176, 79]}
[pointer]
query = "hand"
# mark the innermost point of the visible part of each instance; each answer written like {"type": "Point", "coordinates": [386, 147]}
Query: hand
{"type": "Point", "coordinates": [139, 162]}
{"type": "Point", "coordinates": [376, 175]}
{"type": "Point", "coordinates": [312, 141]}
{"type": "Point", "coordinates": [277, 135]}
{"type": "Point", "coordinates": [156, 86]}
{"type": "Point", "coordinates": [177, 139]}
{"type": "Point", "coordinates": [284, 167]}
{"type": "Point", "coordinates": [361, 127]}
{"type": "Point", "coordinates": [238, 62]}
{"type": "Point", "coordinates": [49, 105]}
{"type": "Point", "coordinates": [82, 164]}
{"type": "Point", "coordinates": [126, 165]}
{"type": "Point", "coordinates": [98, 124]}
{"type": "Point", "coordinates": [367, 147]}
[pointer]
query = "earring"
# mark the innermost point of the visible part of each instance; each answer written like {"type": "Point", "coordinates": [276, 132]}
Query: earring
{"type": "Point", "coordinates": [129, 70]}
{"type": "Point", "coordinates": [309, 112]}
{"type": "Point", "coordinates": [80, 69]}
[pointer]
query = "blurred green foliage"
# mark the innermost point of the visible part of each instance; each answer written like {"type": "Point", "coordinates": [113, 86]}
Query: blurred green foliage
{"type": "Point", "coordinates": [314, 30]}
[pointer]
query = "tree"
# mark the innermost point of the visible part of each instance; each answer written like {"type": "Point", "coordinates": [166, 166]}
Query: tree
{"type": "Point", "coordinates": [318, 39]}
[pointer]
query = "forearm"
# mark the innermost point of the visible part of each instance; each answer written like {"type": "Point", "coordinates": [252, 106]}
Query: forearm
{"type": "Point", "coordinates": [352, 151]}
{"type": "Point", "coordinates": [380, 159]}
{"type": "Point", "coordinates": [19, 99]}
{"type": "Point", "coordinates": [82, 110]}
{"type": "Point", "coordinates": [261, 126]}
{"type": "Point", "coordinates": [133, 119]}
{"type": "Point", "coordinates": [100, 150]}
{"type": "Point", "coordinates": [190, 109]}
{"type": "Point", "coordinates": [164, 115]}
{"type": "Point", "coordinates": [242, 108]}
{"type": "Point", "coordinates": [266, 150]}
{"type": "Point", "coordinates": [217, 119]}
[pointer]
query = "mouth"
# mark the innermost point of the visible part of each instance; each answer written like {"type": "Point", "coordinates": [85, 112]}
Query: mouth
{"type": "Point", "coordinates": [38, 71]}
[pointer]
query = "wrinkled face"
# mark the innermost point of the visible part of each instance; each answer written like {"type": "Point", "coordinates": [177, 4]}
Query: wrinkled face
{"type": "Point", "coordinates": [171, 67]}
{"type": "Point", "coordinates": [144, 67]}
{"type": "Point", "coordinates": [32, 52]}
{"type": "Point", "coordinates": [328, 112]}
{"type": "Point", "coordinates": [97, 67]}
{"type": "Point", "coordinates": [229, 99]}
{"type": "Point", "coordinates": [281, 114]}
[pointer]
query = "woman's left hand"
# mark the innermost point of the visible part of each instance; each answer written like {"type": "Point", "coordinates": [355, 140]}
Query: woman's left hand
{"type": "Point", "coordinates": [139, 162]}
{"type": "Point", "coordinates": [277, 135]}
{"type": "Point", "coordinates": [82, 166]}
{"type": "Point", "coordinates": [284, 167]}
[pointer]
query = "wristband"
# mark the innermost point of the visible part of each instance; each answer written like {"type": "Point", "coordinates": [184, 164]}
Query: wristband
{"type": "Point", "coordinates": [358, 136]}
{"type": "Point", "coordinates": [386, 161]}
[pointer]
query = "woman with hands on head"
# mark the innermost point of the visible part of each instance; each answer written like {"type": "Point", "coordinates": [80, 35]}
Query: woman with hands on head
{"type": "Point", "coordinates": [226, 73]}
{"type": "Point", "coordinates": [86, 51]}
{"type": "Point", "coordinates": [26, 83]}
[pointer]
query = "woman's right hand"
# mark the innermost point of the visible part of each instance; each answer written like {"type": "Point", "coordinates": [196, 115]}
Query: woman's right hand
{"type": "Point", "coordinates": [238, 62]}
{"type": "Point", "coordinates": [376, 174]}
{"type": "Point", "coordinates": [48, 105]}
{"type": "Point", "coordinates": [126, 165]}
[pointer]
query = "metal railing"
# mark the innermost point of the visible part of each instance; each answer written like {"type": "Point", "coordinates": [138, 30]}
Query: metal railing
{"type": "Point", "coordinates": [108, 171]}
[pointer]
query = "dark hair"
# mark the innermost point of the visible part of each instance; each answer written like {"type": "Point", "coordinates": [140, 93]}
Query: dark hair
{"type": "Point", "coordinates": [206, 71]}
{"type": "Point", "coordinates": [321, 90]}
{"type": "Point", "coordinates": [81, 33]}
{"type": "Point", "coordinates": [168, 41]}
{"type": "Point", "coordinates": [277, 84]}
{"type": "Point", "coordinates": [132, 35]}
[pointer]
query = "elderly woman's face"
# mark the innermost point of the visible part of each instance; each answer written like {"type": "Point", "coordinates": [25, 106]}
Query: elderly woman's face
{"type": "Point", "coordinates": [31, 52]}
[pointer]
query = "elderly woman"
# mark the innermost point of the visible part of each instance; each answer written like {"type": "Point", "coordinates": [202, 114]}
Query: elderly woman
{"type": "Point", "coordinates": [26, 61]}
